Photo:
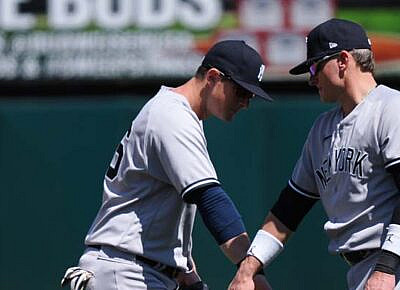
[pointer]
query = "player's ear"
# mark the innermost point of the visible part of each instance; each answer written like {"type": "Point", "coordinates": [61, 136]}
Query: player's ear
{"type": "Point", "coordinates": [213, 76]}
{"type": "Point", "coordinates": [343, 59]}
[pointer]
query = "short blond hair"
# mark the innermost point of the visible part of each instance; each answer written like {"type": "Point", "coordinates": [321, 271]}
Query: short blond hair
{"type": "Point", "coordinates": [364, 57]}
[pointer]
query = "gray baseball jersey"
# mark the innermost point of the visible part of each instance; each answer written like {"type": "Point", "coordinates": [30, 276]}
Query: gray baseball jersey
{"type": "Point", "coordinates": [161, 158]}
{"type": "Point", "coordinates": [344, 162]}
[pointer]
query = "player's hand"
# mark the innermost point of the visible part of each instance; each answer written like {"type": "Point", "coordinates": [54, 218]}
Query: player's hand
{"type": "Point", "coordinates": [242, 283]}
{"type": "Point", "coordinates": [258, 282]}
{"type": "Point", "coordinates": [380, 281]}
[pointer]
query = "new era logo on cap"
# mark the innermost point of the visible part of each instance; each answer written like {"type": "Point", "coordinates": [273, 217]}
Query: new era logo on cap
{"type": "Point", "coordinates": [330, 37]}
{"type": "Point", "coordinates": [240, 62]}
{"type": "Point", "coordinates": [332, 44]}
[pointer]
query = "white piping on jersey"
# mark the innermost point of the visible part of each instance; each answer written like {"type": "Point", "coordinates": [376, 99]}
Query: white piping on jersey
{"type": "Point", "coordinates": [393, 162]}
{"type": "Point", "coordinates": [200, 183]}
{"type": "Point", "coordinates": [295, 188]}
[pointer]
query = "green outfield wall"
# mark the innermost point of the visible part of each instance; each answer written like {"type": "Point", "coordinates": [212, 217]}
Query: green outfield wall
{"type": "Point", "coordinates": [55, 151]}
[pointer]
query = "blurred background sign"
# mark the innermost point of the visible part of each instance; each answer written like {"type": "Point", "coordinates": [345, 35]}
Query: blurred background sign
{"type": "Point", "coordinates": [131, 40]}
{"type": "Point", "coordinates": [135, 39]}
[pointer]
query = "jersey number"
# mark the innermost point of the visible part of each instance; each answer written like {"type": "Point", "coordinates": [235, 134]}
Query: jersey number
{"type": "Point", "coordinates": [112, 171]}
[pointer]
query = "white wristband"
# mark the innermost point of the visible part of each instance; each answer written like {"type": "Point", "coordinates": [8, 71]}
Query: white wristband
{"type": "Point", "coordinates": [392, 240]}
{"type": "Point", "coordinates": [265, 247]}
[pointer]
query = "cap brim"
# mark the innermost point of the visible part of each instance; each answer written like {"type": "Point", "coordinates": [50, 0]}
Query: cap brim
{"type": "Point", "coordinates": [300, 69]}
{"type": "Point", "coordinates": [304, 67]}
{"type": "Point", "coordinates": [256, 90]}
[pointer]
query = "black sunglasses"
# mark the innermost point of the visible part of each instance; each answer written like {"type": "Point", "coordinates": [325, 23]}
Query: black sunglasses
{"type": "Point", "coordinates": [316, 66]}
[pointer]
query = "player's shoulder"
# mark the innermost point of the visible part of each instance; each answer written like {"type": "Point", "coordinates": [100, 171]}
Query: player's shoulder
{"type": "Point", "coordinates": [385, 95]}
{"type": "Point", "coordinates": [169, 109]}
{"type": "Point", "coordinates": [389, 92]}
{"type": "Point", "coordinates": [169, 104]}
{"type": "Point", "coordinates": [384, 101]}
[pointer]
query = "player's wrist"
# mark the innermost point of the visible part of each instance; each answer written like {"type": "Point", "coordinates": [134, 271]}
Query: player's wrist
{"type": "Point", "coordinates": [260, 271]}
{"type": "Point", "coordinates": [389, 259]}
{"type": "Point", "coordinates": [392, 240]}
{"type": "Point", "coordinates": [388, 262]}
{"type": "Point", "coordinates": [265, 247]}
{"type": "Point", "coordinates": [249, 267]}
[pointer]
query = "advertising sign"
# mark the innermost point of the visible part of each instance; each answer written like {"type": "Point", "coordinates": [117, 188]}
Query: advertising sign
{"type": "Point", "coordinates": [139, 39]}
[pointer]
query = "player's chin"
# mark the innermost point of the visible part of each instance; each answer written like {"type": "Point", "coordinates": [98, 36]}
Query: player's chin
{"type": "Point", "coordinates": [229, 117]}
{"type": "Point", "coordinates": [326, 99]}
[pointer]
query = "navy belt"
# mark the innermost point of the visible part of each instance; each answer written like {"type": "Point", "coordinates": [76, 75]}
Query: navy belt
{"type": "Point", "coordinates": [169, 271]}
{"type": "Point", "coordinates": [355, 257]}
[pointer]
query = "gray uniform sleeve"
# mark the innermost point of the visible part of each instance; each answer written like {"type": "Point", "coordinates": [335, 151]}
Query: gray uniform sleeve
{"type": "Point", "coordinates": [179, 142]}
{"type": "Point", "coordinates": [303, 180]}
{"type": "Point", "coordinates": [389, 132]}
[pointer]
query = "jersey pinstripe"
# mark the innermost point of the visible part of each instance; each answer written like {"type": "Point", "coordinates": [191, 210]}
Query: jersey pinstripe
{"type": "Point", "coordinates": [161, 158]}
{"type": "Point", "coordinates": [344, 162]}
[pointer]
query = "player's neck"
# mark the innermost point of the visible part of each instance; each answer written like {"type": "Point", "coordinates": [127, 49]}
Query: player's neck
{"type": "Point", "coordinates": [356, 89]}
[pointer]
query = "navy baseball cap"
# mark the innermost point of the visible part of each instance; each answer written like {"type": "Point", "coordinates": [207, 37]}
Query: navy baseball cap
{"type": "Point", "coordinates": [329, 38]}
{"type": "Point", "coordinates": [239, 62]}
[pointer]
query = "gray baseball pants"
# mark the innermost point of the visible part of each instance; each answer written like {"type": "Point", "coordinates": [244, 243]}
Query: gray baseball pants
{"type": "Point", "coordinates": [116, 272]}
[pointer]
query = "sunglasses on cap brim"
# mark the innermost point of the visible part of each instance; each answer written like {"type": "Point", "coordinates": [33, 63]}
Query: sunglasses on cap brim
{"type": "Point", "coordinates": [316, 66]}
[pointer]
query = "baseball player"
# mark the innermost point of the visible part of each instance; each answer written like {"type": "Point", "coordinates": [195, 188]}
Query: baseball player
{"type": "Point", "coordinates": [161, 172]}
{"type": "Point", "coordinates": [350, 161]}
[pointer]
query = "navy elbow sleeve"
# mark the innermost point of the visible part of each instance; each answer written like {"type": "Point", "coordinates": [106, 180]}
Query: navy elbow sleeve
{"type": "Point", "coordinates": [291, 208]}
{"type": "Point", "coordinates": [218, 212]}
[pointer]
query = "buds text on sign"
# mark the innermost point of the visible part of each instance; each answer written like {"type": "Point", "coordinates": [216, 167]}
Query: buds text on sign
{"type": "Point", "coordinates": [115, 14]}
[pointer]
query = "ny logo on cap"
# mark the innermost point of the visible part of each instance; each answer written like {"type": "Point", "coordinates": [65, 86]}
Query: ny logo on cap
{"type": "Point", "coordinates": [261, 72]}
